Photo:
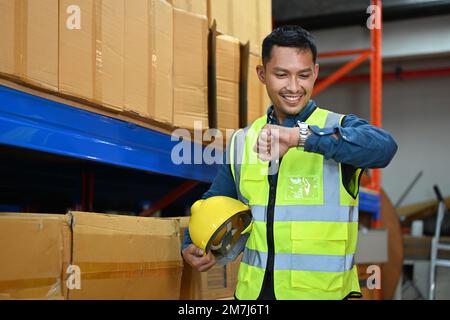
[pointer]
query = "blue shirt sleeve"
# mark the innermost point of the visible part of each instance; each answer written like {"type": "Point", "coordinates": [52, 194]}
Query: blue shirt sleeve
{"type": "Point", "coordinates": [223, 185]}
{"type": "Point", "coordinates": [361, 145]}
{"type": "Point", "coordinates": [187, 239]}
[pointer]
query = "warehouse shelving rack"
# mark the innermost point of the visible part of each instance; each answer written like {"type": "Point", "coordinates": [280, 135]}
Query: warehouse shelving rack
{"type": "Point", "coordinates": [371, 195]}
{"type": "Point", "coordinates": [370, 198]}
{"type": "Point", "coordinates": [35, 123]}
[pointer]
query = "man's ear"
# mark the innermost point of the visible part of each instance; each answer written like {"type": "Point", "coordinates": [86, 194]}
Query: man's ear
{"type": "Point", "coordinates": [316, 71]}
{"type": "Point", "coordinates": [261, 74]}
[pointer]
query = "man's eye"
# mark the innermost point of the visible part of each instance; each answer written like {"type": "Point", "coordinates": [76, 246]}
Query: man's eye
{"type": "Point", "coordinates": [304, 76]}
{"type": "Point", "coordinates": [280, 75]}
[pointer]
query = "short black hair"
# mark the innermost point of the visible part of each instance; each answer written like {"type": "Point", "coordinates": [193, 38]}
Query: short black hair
{"type": "Point", "coordinates": [288, 36]}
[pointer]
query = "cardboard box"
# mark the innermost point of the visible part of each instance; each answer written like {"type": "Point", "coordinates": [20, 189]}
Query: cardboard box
{"type": "Point", "coordinates": [29, 42]}
{"type": "Point", "coordinates": [119, 257]}
{"type": "Point", "coordinates": [250, 20]}
{"type": "Point", "coordinates": [121, 57]}
{"type": "Point", "coordinates": [245, 23]}
{"type": "Point", "coordinates": [190, 69]}
{"type": "Point", "coordinates": [9, 42]}
{"type": "Point", "coordinates": [219, 282]}
{"type": "Point", "coordinates": [91, 57]}
{"type": "Point", "coordinates": [34, 255]}
{"type": "Point", "coordinates": [194, 6]}
{"type": "Point", "coordinates": [123, 257]}
{"type": "Point", "coordinates": [184, 224]}
{"type": "Point", "coordinates": [222, 12]}
{"type": "Point", "coordinates": [227, 73]}
{"type": "Point", "coordinates": [149, 59]}
{"type": "Point", "coordinates": [265, 20]}
{"type": "Point", "coordinates": [255, 91]}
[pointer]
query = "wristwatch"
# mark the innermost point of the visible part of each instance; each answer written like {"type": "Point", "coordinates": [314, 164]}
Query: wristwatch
{"type": "Point", "coordinates": [303, 130]}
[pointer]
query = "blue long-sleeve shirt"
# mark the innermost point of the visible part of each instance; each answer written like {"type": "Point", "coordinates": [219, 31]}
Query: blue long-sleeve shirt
{"type": "Point", "coordinates": [361, 145]}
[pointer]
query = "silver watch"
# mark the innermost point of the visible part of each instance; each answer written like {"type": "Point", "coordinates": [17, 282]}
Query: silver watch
{"type": "Point", "coordinates": [303, 130]}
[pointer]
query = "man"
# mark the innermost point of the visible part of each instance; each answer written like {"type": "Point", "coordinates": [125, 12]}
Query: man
{"type": "Point", "coordinates": [305, 211]}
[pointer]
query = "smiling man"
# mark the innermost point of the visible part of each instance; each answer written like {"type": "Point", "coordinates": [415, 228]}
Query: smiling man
{"type": "Point", "coordinates": [305, 213]}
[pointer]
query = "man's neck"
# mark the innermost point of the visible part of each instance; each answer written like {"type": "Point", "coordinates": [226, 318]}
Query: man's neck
{"type": "Point", "coordinates": [281, 117]}
{"type": "Point", "coordinates": [288, 120]}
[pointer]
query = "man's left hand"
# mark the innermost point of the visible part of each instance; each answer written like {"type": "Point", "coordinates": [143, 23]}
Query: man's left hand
{"type": "Point", "coordinates": [274, 141]}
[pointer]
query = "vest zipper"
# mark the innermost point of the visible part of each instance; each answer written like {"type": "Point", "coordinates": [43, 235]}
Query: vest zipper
{"type": "Point", "coordinates": [268, 289]}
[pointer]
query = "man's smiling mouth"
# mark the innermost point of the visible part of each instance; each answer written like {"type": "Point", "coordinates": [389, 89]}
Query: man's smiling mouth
{"type": "Point", "coordinates": [291, 98]}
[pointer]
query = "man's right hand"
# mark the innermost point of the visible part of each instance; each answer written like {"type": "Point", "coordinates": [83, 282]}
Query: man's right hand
{"type": "Point", "coordinates": [195, 258]}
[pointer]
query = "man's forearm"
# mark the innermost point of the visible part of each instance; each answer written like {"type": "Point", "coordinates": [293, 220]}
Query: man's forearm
{"type": "Point", "coordinates": [364, 146]}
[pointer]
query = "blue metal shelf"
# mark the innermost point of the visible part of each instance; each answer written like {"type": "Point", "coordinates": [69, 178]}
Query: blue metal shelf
{"type": "Point", "coordinates": [371, 203]}
{"type": "Point", "coordinates": [32, 122]}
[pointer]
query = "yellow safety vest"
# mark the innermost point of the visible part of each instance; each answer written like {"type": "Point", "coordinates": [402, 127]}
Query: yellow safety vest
{"type": "Point", "coordinates": [315, 226]}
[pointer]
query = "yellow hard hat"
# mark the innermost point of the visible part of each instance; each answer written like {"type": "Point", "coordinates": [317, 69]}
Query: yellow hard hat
{"type": "Point", "coordinates": [221, 225]}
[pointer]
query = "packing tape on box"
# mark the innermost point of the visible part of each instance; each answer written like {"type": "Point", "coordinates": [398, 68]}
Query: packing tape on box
{"type": "Point", "coordinates": [98, 270]}
{"type": "Point", "coordinates": [20, 36]}
{"type": "Point", "coordinates": [44, 288]}
{"type": "Point", "coordinates": [153, 60]}
{"type": "Point", "coordinates": [7, 285]}
{"type": "Point", "coordinates": [97, 39]}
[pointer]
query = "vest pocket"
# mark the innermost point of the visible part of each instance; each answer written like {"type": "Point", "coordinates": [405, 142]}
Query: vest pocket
{"type": "Point", "coordinates": [243, 274]}
{"type": "Point", "coordinates": [255, 172]}
{"type": "Point", "coordinates": [323, 281]}
{"type": "Point", "coordinates": [318, 256]}
{"type": "Point", "coordinates": [254, 184]}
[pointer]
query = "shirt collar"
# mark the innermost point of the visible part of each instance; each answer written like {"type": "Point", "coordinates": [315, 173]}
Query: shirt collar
{"type": "Point", "coordinates": [291, 121]}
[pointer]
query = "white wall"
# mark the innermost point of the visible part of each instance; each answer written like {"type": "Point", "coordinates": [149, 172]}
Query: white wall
{"type": "Point", "coordinates": [405, 38]}
{"type": "Point", "coordinates": [417, 113]}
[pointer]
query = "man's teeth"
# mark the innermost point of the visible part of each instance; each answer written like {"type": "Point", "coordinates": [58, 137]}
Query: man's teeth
{"type": "Point", "coordinates": [292, 98]}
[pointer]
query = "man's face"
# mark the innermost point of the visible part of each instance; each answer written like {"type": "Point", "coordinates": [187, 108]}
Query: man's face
{"type": "Point", "coordinates": [289, 77]}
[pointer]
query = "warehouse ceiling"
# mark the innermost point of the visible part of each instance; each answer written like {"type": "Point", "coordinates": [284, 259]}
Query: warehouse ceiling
{"type": "Point", "coordinates": [321, 14]}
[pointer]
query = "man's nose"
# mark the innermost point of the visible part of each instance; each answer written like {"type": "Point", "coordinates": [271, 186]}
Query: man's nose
{"type": "Point", "coordinates": [293, 85]}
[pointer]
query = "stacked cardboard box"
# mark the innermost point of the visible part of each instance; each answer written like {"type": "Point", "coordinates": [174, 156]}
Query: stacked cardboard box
{"type": "Point", "coordinates": [117, 54]}
{"type": "Point", "coordinates": [249, 20]}
{"type": "Point", "coordinates": [222, 12]}
{"type": "Point", "coordinates": [126, 257]}
{"type": "Point", "coordinates": [227, 82]}
{"type": "Point", "coordinates": [190, 70]}
{"type": "Point", "coordinates": [119, 257]}
{"type": "Point", "coordinates": [29, 41]}
{"type": "Point", "coordinates": [257, 98]}
{"type": "Point", "coordinates": [195, 6]}
{"type": "Point", "coordinates": [142, 57]}
{"type": "Point", "coordinates": [120, 57]}
{"type": "Point", "coordinates": [218, 282]}
{"type": "Point", "coordinates": [35, 252]}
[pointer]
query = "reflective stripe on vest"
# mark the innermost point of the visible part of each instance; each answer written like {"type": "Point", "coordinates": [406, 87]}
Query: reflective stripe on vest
{"type": "Point", "coordinates": [325, 213]}
{"type": "Point", "coordinates": [301, 262]}
{"type": "Point", "coordinates": [238, 147]}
